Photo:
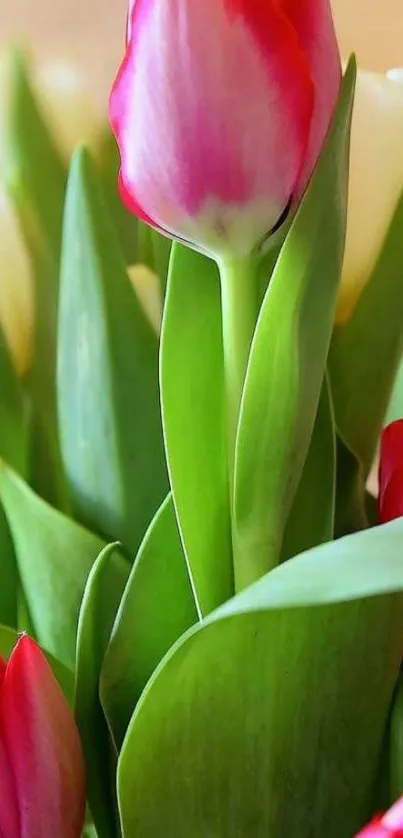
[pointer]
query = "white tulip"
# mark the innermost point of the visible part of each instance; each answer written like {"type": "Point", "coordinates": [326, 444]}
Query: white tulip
{"type": "Point", "coordinates": [376, 178]}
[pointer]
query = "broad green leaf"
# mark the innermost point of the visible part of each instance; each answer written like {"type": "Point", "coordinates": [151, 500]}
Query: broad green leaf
{"type": "Point", "coordinates": [288, 357]}
{"type": "Point", "coordinates": [54, 557]}
{"type": "Point", "coordinates": [157, 608]}
{"type": "Point", "coordinates": [103, 593]}
{"type": "Point", "coordinates": [269, 718]}
{"type": "Point", "coordinates": [192, 394]}
{"type": "Point", "coordinates": [13, 413]}
{"type": "Point", "coordinates": [35, 179]}
{"type": "Point", "coordinates": [367, 350]}
{"type": "Point", "coordinates": [8, 639]}
{"type": "Point", "coordinates": [110, 424]}
{"type": "Point", "coordinates": [311, 520]}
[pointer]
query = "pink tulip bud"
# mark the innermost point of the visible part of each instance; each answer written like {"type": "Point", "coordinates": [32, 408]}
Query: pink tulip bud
{"type": "Point", "coordinates": [220, 109]}
{"type": "Point", "coordinates": [41, 764]}
{"type": "Point", "coordinates": [389, 825]}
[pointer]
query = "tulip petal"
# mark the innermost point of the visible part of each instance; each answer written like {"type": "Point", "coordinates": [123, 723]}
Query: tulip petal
{"type": "Point", "coordinates": [211, 109]}
{"type": "Point", "coordinates": [390, 502]}
{"type": "Point", "coordinates": [9, 819]}
{"type": "Point", "coordinates": [43, 747]}
{"type": "Point", "coordinates": [313, 22]}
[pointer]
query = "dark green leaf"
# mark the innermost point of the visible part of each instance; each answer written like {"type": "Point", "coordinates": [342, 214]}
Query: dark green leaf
{"type": "Point", "coordinates": [108, 398]}
{"type": "Point", "coordinates": [311, 520]}
{"type": "Point", "coordinates": [125, 223]}
{"type": "Point", "coordinates": [103, 593]}
{"type": "Point", "coordinates": [192, 392]}
{"type": "Point", "coordinates": [157, 608]}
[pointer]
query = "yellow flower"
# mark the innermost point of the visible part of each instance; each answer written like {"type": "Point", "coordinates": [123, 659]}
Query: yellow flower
{"type": "Point", "coordinates": [376, 178]}
{"type": "Point", "coordinates": [72, 118]}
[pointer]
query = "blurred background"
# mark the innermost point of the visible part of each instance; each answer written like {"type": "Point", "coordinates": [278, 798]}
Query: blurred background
{"type": "Point", "coordinates": [90, 33]}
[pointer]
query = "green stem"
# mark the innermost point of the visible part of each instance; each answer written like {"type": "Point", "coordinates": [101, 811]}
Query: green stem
{"type": "Point", "coordinates": [239, 302]}
{"type": "Point", "coordinates": [239, 313]}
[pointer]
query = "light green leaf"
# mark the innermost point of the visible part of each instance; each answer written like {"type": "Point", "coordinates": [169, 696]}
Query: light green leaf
{"type": "Point", "coordinates": [257, 723]}
{"type": "Point", "coordinates": [311, 520]}
{"type": "Point", "coordinates": [192, 393]}
{"type": "Point", "coordinates": [366, 351]}
{"type": "Point", "coordinates": [108, 397]}
{"type": "Point", "coordinates": [288, 357]}
{"type": "Point", "coordinates": [157, 608]}
{"type": "Point", "coordinates": [54, 557]}
{"type": "Point", "coordinates": [103, 593]}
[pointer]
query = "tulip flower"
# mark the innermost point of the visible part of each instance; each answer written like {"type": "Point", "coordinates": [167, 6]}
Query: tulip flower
{"type": "Point", "coordinates": [389, 825]}
{"type": "Point", "coordinates": [390, 502]}
{"type": "Point", "coordinates": [72, 118]}
{"type": "Point", "coordinates": [220, 109]}
{"type": "Point", "coordinates": [41, 763]}
{"type": "Point", "coordinates": [376, 178]}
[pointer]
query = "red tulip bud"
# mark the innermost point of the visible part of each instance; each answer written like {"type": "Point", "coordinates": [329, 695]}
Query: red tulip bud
{"type": "Point", "coordinates": [389, 825]}
{"type": "Point", "coordinates": [41, 763]}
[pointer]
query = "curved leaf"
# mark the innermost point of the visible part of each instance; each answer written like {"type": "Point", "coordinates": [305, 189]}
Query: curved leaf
{"type": "Point", "coordinates": [193, 409]}
{"type": "Point", "coordinates": [157, 608]}
{"type": "Point", "coordinates": [256, 723]}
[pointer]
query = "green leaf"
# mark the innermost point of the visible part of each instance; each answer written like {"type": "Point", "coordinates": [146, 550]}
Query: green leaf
{"type": "Point", "coordinates": [8, 639]}
{"type": "Point", "coordinates": [351, 513]}
{"type": "Point", "coordinates": [157, 608]}
{"type": "Point", "coordinates": [103, 593]}
{"type": "Point", "coordinates": [311, 520]}
{"type": "Point", "coordinates": [13, 413]}
{"type": "Point", "coordinates": [257, 723]}
{"type": "Point", "coordinates": [396, 744]}
{"type": "Point", "coordinates": [9, 581]}
{"type": "Point", "coordinates": [108, 397]}
{"type": "Point", "coordinates": [54, 557]}
{"type": "Point", "coordinates": [35, 179]}
{"type": "Point", "coordinates": [193, 408]}
{"type": "Point", "coordinates": [288, 356]}
{"type": "Point", "coordinates": [126, 224]}
{"type": "Point", "coordinates": [367, 350]}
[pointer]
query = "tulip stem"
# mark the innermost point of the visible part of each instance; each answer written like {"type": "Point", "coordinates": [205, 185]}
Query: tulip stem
{"type": "Point", "coordinates": [239, 302]}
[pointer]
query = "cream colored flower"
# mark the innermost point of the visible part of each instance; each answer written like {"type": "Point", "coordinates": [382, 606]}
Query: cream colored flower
{"type": "Point", "coordinates": [147, 286]}
{"type": "Point", "coordinates": [376, 178]}
{"type": "Point", "coordinates": [72, 118]}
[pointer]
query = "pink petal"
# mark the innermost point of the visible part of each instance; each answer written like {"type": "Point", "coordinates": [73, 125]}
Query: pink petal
{"type": "Point", "coordinates": [313, 22]}
{"type": "Point", "coordinates": [43, 747]}
{"type": "Point", "coordinates": [211, 109]}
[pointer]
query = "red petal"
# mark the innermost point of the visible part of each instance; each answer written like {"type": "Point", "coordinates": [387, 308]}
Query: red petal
{"type": "Point", "coordinates": [313, 23]}
{"type": "Point", "coordinates": [43, 747]}
{"type": "Point", "coordinates": [391, 456]}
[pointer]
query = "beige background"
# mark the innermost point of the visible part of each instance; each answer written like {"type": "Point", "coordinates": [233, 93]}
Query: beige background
{"type": "Point", "coordinates": [91, 32]}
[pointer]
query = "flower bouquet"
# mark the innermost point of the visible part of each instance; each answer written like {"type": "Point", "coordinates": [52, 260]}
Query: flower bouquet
{"type": "Point", "coordinates": [201, 595]}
